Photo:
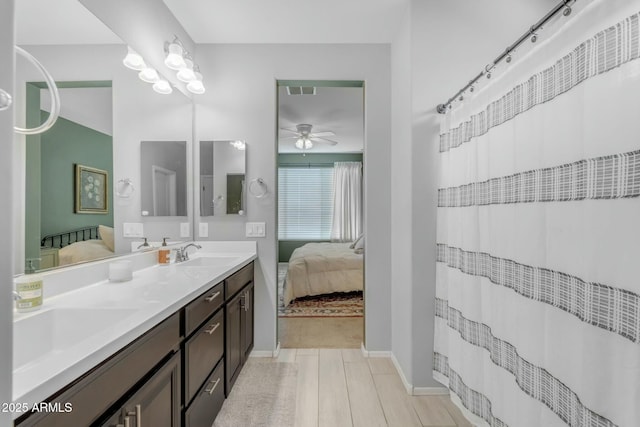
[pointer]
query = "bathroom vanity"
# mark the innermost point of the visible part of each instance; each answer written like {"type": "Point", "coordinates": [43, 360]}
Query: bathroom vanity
{"type": "Point", "coordinates": [177, 372]}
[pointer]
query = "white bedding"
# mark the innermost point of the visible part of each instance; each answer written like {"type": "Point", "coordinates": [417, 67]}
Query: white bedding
{"type": "Point", "coordinates": [83, 251]}
{"type": "Point", "coordinates": [323, 268]}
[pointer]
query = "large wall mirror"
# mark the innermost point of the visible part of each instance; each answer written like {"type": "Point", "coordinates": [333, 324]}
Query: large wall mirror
{"type": "Point", "coordinates": [222, 178]}
{"type": "Point", "coordinates": [70, 181]}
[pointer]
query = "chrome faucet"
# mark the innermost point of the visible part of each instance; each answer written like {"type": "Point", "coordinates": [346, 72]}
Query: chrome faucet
{"type": "Point", "coordinates": [182, 254]}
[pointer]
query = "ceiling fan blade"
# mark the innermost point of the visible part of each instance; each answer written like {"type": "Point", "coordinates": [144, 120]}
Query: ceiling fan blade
{"type": "Point", "coordinates": [324, 141]}
{"type": "Point", "coordinates": [289, 137]}
{"type": "Point", "coordinates": [321, 134]}
{"type": "Point", "coordinates": [293, 130]}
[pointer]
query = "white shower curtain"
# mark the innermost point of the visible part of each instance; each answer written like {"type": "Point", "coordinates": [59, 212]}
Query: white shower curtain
{"type": "Point", "coordinates": [538, 292]}
{"type": "Point", "coordinates": [347, 201]}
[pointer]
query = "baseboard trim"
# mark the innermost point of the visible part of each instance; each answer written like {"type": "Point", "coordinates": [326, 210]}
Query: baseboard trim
{"type": "Point", "coordinates": [266, 353]}
{"type": "Point", "coordinates": [407, 386]}
{"type": "Point", "coordinates": [367, 353]}
{"type": "Point", "coordinates": [430, 391]}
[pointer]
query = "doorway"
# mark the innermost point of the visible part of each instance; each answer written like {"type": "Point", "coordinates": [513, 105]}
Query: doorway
{"type": "Point", "coordinates": [320, 214]}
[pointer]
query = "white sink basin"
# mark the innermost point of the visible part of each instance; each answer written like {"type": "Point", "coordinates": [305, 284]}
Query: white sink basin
{"type": "Point", "coordinates": [210, 261]}
{"type": "Point", "coordinates": [53, 331]}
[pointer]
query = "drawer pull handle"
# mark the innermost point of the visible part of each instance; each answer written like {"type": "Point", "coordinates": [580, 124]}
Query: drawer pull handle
{"type": "Point", "coordinates": [213, 328]}
{"type": "Point", "coordinates": [137, 414]}
{"type": "Point", "coordinates": [212, 297]}
{"type": "Point", "coordinates": [215, 384]}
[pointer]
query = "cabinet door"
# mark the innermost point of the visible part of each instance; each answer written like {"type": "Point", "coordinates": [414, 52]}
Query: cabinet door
{"type": "Point", "coordinates": [247, 321]}
{"type": "Point", "coordinates": [233, 341]}
{"type": "Point", "coordinates": [157, 402]}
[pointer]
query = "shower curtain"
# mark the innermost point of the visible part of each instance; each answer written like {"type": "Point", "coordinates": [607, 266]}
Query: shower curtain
{"type": "Point", "coordinates": [347, 201]}
{"type": "Point", "coordinates": [538, 236]}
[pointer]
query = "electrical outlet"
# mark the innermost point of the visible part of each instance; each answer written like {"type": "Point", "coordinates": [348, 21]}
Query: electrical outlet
{"type": "Point", "coordinates": [132, 229]}
{"type": "Point", "coordinates": [203, 229]}
{"type": "Point", "coordinates": [255, 229]}
{"type": "Point", "coordinates": [184, 229]}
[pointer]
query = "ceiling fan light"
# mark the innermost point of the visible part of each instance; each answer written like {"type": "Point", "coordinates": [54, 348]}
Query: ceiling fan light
{"type": "Point", "coordinates": [163, 87]}
{"type": "Point", "coordinates": [300, 143]}
{"type": "Point", "coordinates": [186, 74]}
{"type": "Point", "coordinates": [133, 60]}
{"type": "Point", "coordinates": [149, 75]}
{"type": "Point", "coordinates": [308, 144]}
{"type": "Point", "coordinates": [174, 59]}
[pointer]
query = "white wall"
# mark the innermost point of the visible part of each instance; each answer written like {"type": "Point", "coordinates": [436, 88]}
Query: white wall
{"type": "Point", "coordinates": [90, 107]}
{"type": "Point", "coordinates": [240, 103]}
{"type": "Point", "coordinates": [439, 47]}
{"type": "Point", "coordinates": [6, 223]}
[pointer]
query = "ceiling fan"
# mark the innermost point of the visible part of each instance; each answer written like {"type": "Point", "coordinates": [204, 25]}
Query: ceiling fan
{"type": "Point", "coordinates": [305, 138]}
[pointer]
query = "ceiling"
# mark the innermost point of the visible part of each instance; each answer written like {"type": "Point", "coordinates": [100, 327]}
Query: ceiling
{"type": "Point", "coordinates": [336, 109]}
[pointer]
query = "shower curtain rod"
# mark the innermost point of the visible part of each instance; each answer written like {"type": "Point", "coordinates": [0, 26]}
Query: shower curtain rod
{"type": "Point", "coordinates": [562, 6]}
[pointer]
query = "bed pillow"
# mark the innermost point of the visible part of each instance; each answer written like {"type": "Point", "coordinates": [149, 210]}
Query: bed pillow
{"type": "Point", "coordinates": [359, 247]}
{"type": "Point", "coordinates": [106, 234]}
{"type": "Point", "coordinates": [355, 242]}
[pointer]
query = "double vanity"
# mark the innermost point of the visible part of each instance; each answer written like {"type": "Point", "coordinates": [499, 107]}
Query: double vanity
{"type": "Point", "coordinates": [163, 349]}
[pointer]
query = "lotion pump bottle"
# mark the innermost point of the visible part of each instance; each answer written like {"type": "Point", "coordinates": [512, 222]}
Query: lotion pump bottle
{"type": "Point", "coordinates": [28, 290]}
{"type": "Point", "coordinates": [164, 253]}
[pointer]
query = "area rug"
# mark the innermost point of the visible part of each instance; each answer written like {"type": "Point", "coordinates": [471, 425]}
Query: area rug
{"type": "Point", "coordinates": [264, 395]}
{"type": "Point", "coordinates": [348, 304]}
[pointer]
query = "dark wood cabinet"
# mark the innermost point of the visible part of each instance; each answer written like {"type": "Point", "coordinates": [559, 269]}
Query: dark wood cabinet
{"type": "Point", "coordinates": [156, 403]}
{"type": "Point", "coordinates": [239, 333]}
{"type": "Point", "coordinates": [208, 401]}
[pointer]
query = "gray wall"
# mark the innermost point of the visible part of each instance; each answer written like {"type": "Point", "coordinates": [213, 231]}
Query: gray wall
{"type": "Point", "coordinates": [431, 61]}
{"type": "Point", "coordinates": [240, 103]}
{"type": "Point", "coordinates": [6, 223]}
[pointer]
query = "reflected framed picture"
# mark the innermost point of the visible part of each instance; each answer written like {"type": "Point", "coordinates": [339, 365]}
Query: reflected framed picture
{"type": "Point", "coordinates": [91, 190]}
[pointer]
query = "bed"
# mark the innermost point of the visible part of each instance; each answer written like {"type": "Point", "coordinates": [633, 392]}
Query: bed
{"type": "Point", "coordinates": [323, 268]}
{"type": "Point", "coordinates": [81, 244]}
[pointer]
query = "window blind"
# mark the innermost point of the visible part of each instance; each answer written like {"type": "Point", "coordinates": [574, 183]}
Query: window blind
{"type": "Point", "coordinates": [305, 203]}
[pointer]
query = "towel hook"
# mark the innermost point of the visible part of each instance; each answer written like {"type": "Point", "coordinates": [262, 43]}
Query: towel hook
{"type": "Point", "coordinates": [263, 188]}
{"type": "Point", "coordinates": [127, 188]}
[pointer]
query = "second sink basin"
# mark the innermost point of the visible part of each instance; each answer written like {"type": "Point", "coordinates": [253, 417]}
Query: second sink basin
{"type": "Point", "coordinates": [50, 331]}
{"type": "Point", "coordinates": [210, 261]}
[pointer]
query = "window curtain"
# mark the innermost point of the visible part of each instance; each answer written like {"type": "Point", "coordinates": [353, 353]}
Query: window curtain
{"type": "Point", "coordinates": [538, 237]}
{"type": "Point", "coordinates": [347, 201]}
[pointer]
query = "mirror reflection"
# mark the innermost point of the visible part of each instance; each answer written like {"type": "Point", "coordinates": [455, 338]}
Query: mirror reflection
{"type": "Point", "coordinates": [222, 178]}
{"type": "Point", "coordinates": [163, 166]}
{"type": "Point", "coordinates": [69, 198]}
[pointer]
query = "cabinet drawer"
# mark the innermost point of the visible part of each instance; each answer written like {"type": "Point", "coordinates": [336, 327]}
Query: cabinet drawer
{"type": "Point", "coordinates": [202, 307]}
{"type": "Point", "coordinates": [202, 352]}
{"type": "Point", "coordinates": [208, 401]}
{"type": "Point", "coordinates": [238, 280]}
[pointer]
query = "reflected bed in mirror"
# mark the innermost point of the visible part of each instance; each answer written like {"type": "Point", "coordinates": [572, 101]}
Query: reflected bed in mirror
{"type": "Point", "coordinates": [222, 178]}
{"type": "Point", "coordinates": [163, 168]}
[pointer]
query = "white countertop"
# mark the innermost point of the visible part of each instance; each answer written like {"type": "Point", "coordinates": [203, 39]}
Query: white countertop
{"type": "Point", "coordinates": [82, 327]}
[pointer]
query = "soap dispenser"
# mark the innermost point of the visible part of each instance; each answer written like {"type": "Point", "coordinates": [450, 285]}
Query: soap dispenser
{"type": "Point", "coordinates": [164, 253]}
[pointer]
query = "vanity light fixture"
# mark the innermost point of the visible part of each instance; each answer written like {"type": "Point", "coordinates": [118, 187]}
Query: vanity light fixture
{"type": "Point", "coordinates": [163, 87]}
{"type": "Point", "coordinates": [239, 145]}
{"type": "Point", "coordinates": [133, 60]}
{"type": "Point", "coordinates": [149, 75]}
{"type": "Point", "coordinates": [175, 55]}
{"type": "Point", "coordinates": [196, 86]}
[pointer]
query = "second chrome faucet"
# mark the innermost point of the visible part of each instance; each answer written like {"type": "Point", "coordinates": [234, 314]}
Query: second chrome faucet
{"type": "Point", "coordinates": [182, 254]}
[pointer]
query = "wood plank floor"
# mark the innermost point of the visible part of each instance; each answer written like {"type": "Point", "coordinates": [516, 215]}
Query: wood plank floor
{"type": "Point", "coordinates": [340, 387]}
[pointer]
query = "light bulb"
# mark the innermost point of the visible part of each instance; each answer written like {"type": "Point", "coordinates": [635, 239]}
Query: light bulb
{"type": "Point", "coordinates": [133, 60]}
{"type": "Point", "coordinates": [149, 75]}
{"type": "Point", "coordinates": [163, 87]}
{"type": "Point", "coordinates": [308, 144]}
{"type": "Point", "coordinates": [174, 59]}
{"type": "Point", "coordinates": [300, 143]}
{"type": "Point", "coordinates": [196, 86]}
{"type": "Point", "coordinates": [186, 74]}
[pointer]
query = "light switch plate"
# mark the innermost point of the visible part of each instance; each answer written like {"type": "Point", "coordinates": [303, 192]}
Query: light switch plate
{"type": "Point", "coordinates": [132, 229]}
{"type": "Point", "coordinates": [203, 229]}
{"type": "Point", "coordinates": [255, 229]}
{"type": "Point", "coordinates": [184, 229]}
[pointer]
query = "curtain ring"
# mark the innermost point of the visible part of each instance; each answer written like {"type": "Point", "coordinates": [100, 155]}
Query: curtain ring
{"type": "Point", "coordinates": [263, 188]}
{"type": "Point", "coordinates": [126, 183]}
